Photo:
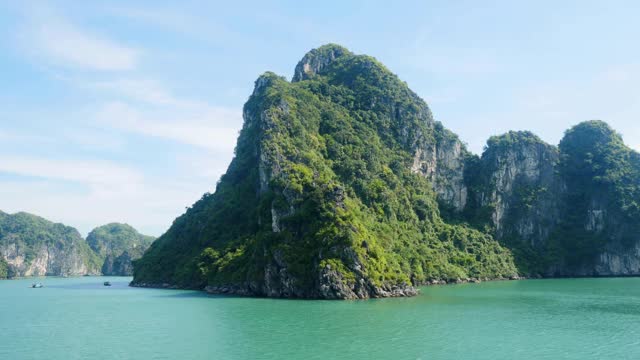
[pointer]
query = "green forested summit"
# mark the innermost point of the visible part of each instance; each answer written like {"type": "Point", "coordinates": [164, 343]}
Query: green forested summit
{"type": "Point", "coordinates": [316, 60]}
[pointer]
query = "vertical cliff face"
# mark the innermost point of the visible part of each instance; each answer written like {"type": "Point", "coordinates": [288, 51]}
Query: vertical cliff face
{"type": "Point", "coordinates": [442, 160]}
{"type": "Point", "coordinates": [33, 246]}
{"type": "Point", "coordinates": [316, 60]}
{"type": "Point", "coordinates": [563, 211]}
{"type": "Point", "coordinates": [602, 210]}
{"type": "Point", "coordinates": [521, 187]}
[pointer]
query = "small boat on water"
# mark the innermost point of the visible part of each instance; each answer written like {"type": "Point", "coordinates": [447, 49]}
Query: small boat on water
{"type": "Point", "coordinates": [37, 285]}
{"type": "Point", "coordinates": [107, 283]}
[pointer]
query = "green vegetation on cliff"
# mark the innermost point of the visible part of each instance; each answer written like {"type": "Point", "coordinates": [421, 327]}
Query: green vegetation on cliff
{"type": "Point", "coordinates": [560, 208]}
{"type": "Point", "coordinates": [594, 159]}
{"type": "Point", "coordinates": [602, 176]}
{"type": "Point", "coordinates": [4, 269]}
{"type": "Point", "coordinates": [32, 245]}
{"type": "Point", "coordinates": [117, 245]}
{"type": "Point", "coordinates": [320, 199]}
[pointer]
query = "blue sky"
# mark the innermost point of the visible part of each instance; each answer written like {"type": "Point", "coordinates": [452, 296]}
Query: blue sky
{"type": "Point", "coordinates": [128, 111]}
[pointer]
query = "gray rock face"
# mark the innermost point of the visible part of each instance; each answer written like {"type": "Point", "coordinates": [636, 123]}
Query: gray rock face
{"type": "Point", "coordinates": [47, 260]}
{"type": "Point", "coordinates": [316, 60]}
{"type": "Point", "coordinates": [617, 260]}
{"type": "Point", "coordinates": [33, 246]}
{"type": "Point", "coordinates": [522, 188]}
{"type": "Point", "coordinates": [621, 253]}
{"type": "Point", "coordinates": [443, 162]}
{"type": "Point", "coordinates": [118, 265]}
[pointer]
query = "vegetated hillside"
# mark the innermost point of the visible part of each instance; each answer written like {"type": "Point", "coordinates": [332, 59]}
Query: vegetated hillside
{"type": "Point", "coordinates": [571, 210]}
{"type": "Point", "coordinates": [33, 246]}
{"type": "Point", "coordinates": [118, 245]}
{"type": "Point", "coordinates": [331, 194]}
{"type": "Point", "coordinates": [4, 269]}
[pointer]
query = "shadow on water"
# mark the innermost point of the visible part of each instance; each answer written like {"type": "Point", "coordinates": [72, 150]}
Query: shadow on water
{"type": "Point", "coordinates": [185, 294]}
{"type": "Point", "coordinates": [172, 293]}
{"type": "Point", "coordinates": [180, 294]}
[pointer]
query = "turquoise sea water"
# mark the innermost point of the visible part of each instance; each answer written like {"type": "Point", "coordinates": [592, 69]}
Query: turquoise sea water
{"type": "Point", "coordinates": [79, 318]}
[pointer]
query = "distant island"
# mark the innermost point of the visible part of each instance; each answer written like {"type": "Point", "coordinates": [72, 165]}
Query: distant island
{"type": "Point", "coordinates": [33, 246]}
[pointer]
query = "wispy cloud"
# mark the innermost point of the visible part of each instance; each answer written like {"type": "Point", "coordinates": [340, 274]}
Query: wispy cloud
{"type": "Point", "coordinates": [550, 106]}
{"type": "Point", "coordinates": [93, 139]}
{"type": "Point", "coordinates": [145, 107]}
{"type": "Point", "coordinates": [91, 173]}
{"type": "Point", "coordinates": [85, 182]}
{"type": "Point", "coordinates": [215, 129]}
{"type": "Point", "coordinates": [13, 137]}
{"type": "Point", "coordinates": [142, 90]}
{"type": "Point", "coordinates": [85, 209]}
{"type": "Point", "coordinates": [175, 20]}
{"type": "Point", "coordinates": [86, 194]}
{"type": "Point", "coordinates": [63, 43]}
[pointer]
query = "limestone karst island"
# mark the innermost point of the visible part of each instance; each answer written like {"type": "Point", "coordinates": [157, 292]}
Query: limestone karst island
{"type": "Point", "coordinates": [329, 180]}
{"type": "Point", "coordinates": [343, 186]}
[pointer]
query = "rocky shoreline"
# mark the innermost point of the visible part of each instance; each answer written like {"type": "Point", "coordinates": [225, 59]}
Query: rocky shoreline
{"type": "Point", "coordinates": [246, 291]}
{"type": "Point", "coordinates": [397, 291]}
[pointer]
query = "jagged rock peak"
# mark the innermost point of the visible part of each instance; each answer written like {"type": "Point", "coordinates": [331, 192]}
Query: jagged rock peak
{"type": "Point", "coordinates": [265, 80]}
{"type": "Point", "coordinates": [591, 133]}
{"type": "Point", "coordinates": [317, 59]}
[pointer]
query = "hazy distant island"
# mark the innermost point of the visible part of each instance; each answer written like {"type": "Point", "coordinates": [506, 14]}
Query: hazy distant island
{"type": "Point", "coordinates": [343, 186]}
{"type": "Point", "coordinates": [33, 246]}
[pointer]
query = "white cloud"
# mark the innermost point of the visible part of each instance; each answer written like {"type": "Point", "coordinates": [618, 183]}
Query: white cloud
{"type": "Point", "coordinates": [96, 174]}
{"type": "Point", "coordinates": [549, 107]}
{"type": "Point", "coordinates": [13, 137]}
{"type": "Point", "coordinates": [63, 43]}
{"type": "Point", "coordinates": [175, 20]}
{"type": "Point", "coordinates": [150, 208]}
{"type": "Point", "coordinates": [85, 194]}
{"type": "Point", "coordinates": [92, 191]}
{"type": "Point", "coordinates": [94, 139]}
{"type": "Point", "coordinates": [214, 129]}
{"type": "Point", "coordinates": [149, 109]}
{"type": "Point", "coordinates": [147, 91]}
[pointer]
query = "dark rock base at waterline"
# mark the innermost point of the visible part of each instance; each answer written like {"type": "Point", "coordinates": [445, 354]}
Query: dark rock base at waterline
{"type": "Point", "coordinates": [236, 290]}
{"type": "Point", "coordinates": [397, 291]}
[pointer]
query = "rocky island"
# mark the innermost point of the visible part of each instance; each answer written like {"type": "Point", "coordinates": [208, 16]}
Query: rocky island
{"type": "Point", "coordinates": [118, 244]}
{"type": "Point", "coordinates": [33, 246]}
{"type": "Point", "coordinates": [343, 186]}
